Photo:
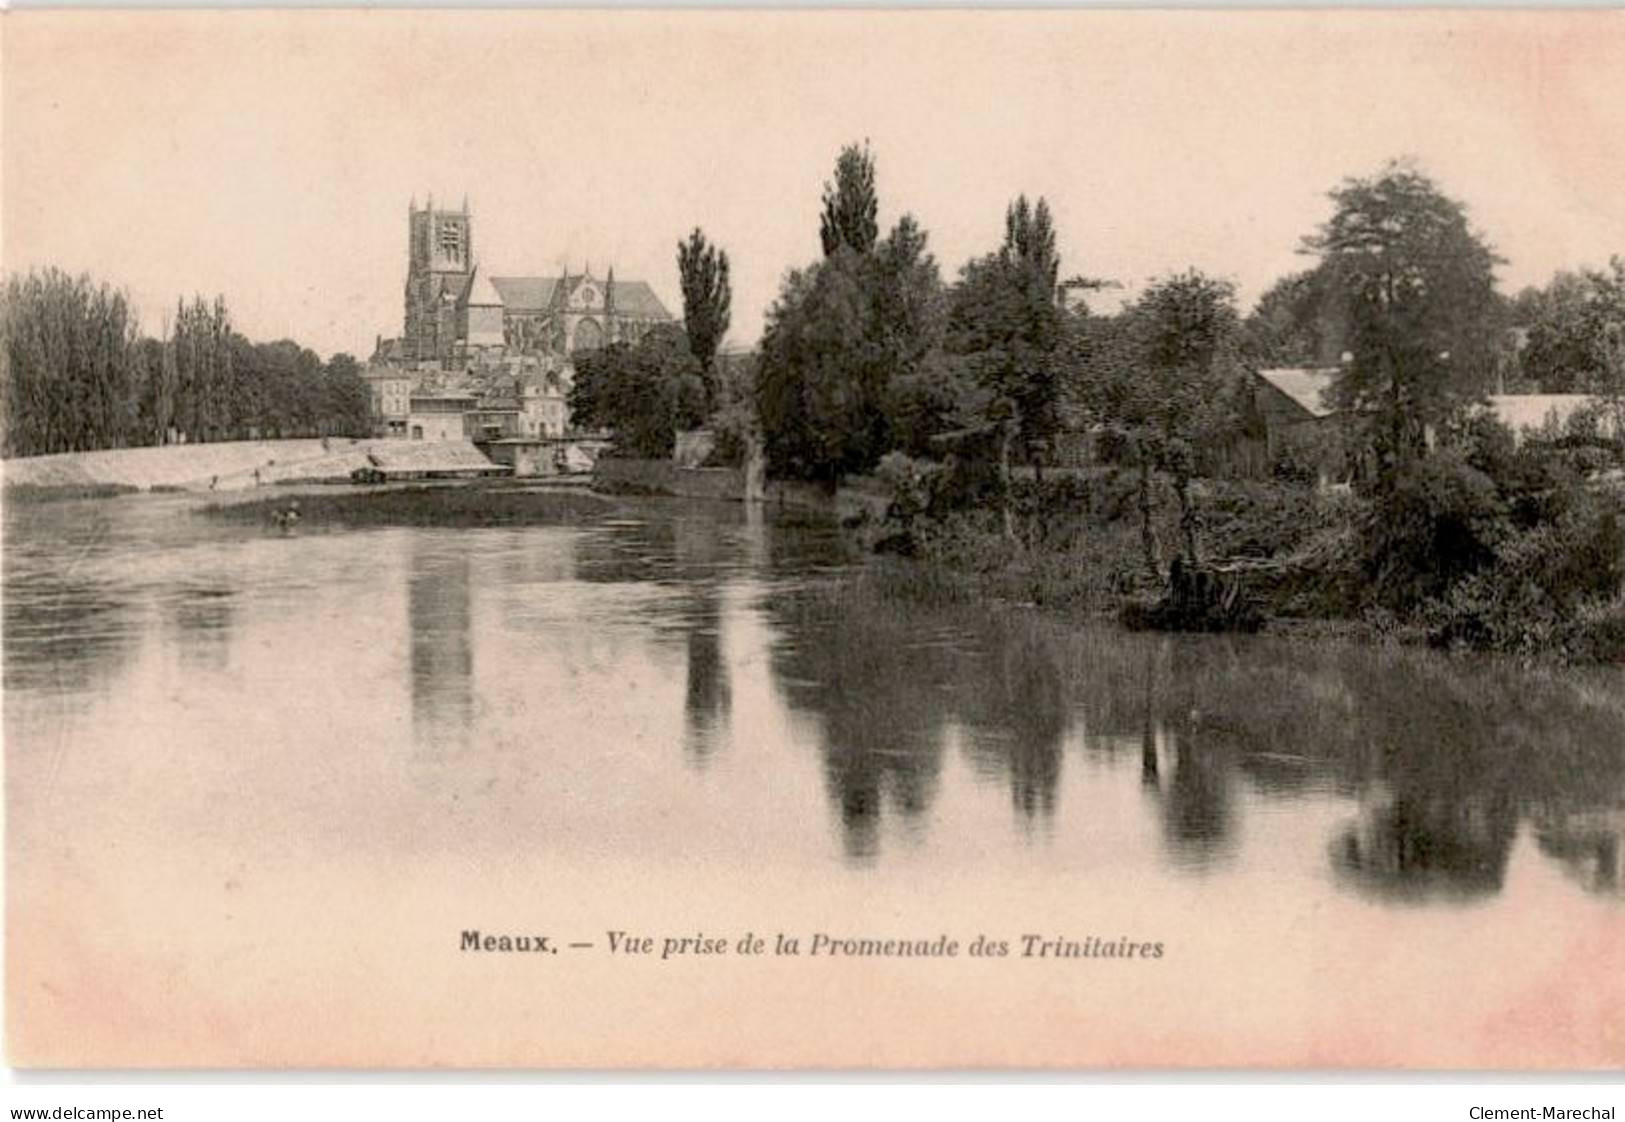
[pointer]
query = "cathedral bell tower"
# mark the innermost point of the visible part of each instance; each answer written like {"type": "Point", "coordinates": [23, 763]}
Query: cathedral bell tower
{"type": "Point", "coordinates": [440, 256]}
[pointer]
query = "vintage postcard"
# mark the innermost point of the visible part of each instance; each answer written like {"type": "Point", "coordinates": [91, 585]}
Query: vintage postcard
{"type": "Point", "coordinates": [786, 539]}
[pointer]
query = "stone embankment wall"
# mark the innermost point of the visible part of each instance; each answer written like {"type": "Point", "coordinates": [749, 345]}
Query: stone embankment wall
{"type": "Point", "coordinates": [227, 464]}
{"type": "Point", "coordinates": [236, 464]}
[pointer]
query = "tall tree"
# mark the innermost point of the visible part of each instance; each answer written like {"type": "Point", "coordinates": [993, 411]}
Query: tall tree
{"type": "Point", "coordinates": [845, 346]}
{"type": "Point", "coordinates": [1005, 324]}
{"type": "Point", "coordinates": [1574, 326]}
{"type": "Point", "coordinates": [1296, 323]}
{"type": "Point", "coordinates": [845, 334]}
{"type": "Point", "coordinates": [348, 401]}
{"type": "Point", "coordinates": [643, 392]}
{"type": "Point", "coordinates": [1188, 339]}
{"type": "Point", "coordinates": [1160, 378]}
{"type": "Point", "coordinates": [707, 302]}
{"type": "Point", "coordinates": [926, 393]}
{"type": "Point", "coordinates": [1029, 237]}
{"type": "Point", "coordinates": [70, 365]}
{"type": "Point", "coordinates": [77, 375]}
{"type": "Point", "coordinates": [814, 381]}
{"type": "Point", "coordinates": [1416, 288]}
{"type": "Point", "coordinates": [205, 381]}
{"type": "Point", "coordinates": [851, 208]}
{"type": "Point", "coordinates": [1104, 359]}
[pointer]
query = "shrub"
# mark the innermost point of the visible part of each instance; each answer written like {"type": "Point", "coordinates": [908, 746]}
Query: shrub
{"type": "Point", "coordinates": [912, 484]}
{"type": "Point", "coordinates": [1597, 632]}
{"type": "Point", "coordinates": [1434, 521]}
{"type": "Point", "coordinates": [1293, 464]}
{"type": "Point", "coordinates": [1544, 591]}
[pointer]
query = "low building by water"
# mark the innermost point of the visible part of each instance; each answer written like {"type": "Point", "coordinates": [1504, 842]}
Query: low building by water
{"type": "Point", "coordinates": [440, 415]}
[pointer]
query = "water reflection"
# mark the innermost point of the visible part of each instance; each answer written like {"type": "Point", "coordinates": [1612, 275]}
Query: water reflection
{"type": "Point", "coordinates": [1441, 759]}
{"type": "Point", "coordinates": [1406, 777]}
{"type": "Point", "coordinates": [65, 634]}
{"type": "Point", "coordinates": [876, 687]}
{"type": "Point", "coordinates": [708, 696]}
{"type": "Point", "coordinates": [1185, 764]}
{"type": "Point", "coordinates": [1016, 713]}
{"type": "Point", "coordinates": [200, 615]}
{"type": "Point", "coordinates": [440, 622]}
{"type": "Point", "coordinates": [1587, 846]}
{"type": "Point", "coordinates": [1416, 843]}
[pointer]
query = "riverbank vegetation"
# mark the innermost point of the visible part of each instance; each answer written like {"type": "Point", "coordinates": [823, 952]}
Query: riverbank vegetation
{"type": "Point", "coordinates": [50, 493]}
{"type": "Point", "coordinates": [80, 375]}
{"type": "Point", "coordinates": [444, 506]}
{"type": "Point", "coordinates": [1122, 463]}
{"type": "Point", "coordinates": [1038, 445]}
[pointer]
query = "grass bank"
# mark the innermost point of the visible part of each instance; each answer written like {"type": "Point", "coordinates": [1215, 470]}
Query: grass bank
{"type": "Point", "coordinates": [1418, 565]}
{"type": "Point", "coordinates": [1078, 544]}
{"type": "Point", "coordinates": [61, 492]}
{"type": "Point", "coordinates": [455, 505]}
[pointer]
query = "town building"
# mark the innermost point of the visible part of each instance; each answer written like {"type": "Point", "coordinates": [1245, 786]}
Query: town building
{"type": "Point", "coordinates": [440, 414]}
{"type": "Point", "coordinates": [542, 407]}
{"type": "Point", "coordinates": [1295, 426]}
{"type": "Point", "coordinates": [493, 350]}
{"type": "Point", "coordinates": [1554, 415]}
{"type": "Point", "coordinates": [390, 388]}
{"type": "Point", "coordinates": [457, 315]}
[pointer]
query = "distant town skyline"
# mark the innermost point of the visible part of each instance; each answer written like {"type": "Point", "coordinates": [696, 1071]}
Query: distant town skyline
{"type": "Point", "coordinates": [271, 156]}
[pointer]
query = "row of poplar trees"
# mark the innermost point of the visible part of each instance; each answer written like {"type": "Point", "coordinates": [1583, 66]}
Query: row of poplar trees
{"type": "Point", "coordinates": [77, 374]}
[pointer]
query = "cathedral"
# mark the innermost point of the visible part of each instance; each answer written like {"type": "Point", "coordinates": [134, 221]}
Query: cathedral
{"type": "Point", "coordinates": [489, 358]}
{"type": "Point", "coordinates": [460, 318]}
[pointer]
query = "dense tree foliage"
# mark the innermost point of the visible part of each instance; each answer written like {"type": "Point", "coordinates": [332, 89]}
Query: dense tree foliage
{"type": "Point", "coordinates": [1415, 289]}
{"type": "Point", "coordinates": [1160, 380]}
{"type": "Point", "coordinates": [78, 375]}
{"type": "Point", "coordinates": [851, 353]}
{"type": "Point", "coordinates": [644, 392]}
{"type": "Point", "coordinates": [1296, 323]}
{"type": "Point", "coordinates": [1188, 334]}
{"type": "Point", "coordinates": [1575, 327]}
{"type": "Point", "coordinates": [827, 364]}
{"type": "Point", "coordinates": [71, 365]}
{"type": "Point", "coordinates": [288, 391]}
{"type": "Point", "coordinates": [1004, 326]}
{"type": "Point", "coordinates": [1005, 323]}
{"type": "Point", "coordinates": [209, 397]}
{"type": "Point", "coordinates": [851, 207]}
{"type": "Point", "coordinates": [707, 303]}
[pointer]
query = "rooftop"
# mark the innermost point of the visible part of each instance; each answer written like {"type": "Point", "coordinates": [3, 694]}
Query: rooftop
{"type": "Point", "coordinates": [536, 294]}
{"type": "Point", "coordinates": [1537, 410]}
{"type": "Point", "coordinates": [1307, 386]}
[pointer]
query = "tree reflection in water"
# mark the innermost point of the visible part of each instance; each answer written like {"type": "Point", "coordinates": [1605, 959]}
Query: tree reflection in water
{"type": "Point", "coordinates": [69, 613]}
{"type": "Point", "coordinates": [1451, 757]}
{"type": "Point", "coordinates": [708, 696]}
{"type": "Point", "coordinates": [1586, 844]}
{"type": "Point", "coordinates": [1194, 793]}
{"type": "Point", "coordinates": [1011, 698]}
{"type": "Point", "coordinates": [1442, 758]}
{"type": "Point", "coordinates": [693, 551]}
{"type": "Point", "coordinates": [1418, 843]}
{"type": "Point", "coordinates": [440, 622]}
{"type": "Point", "coordinates": [878, 689]}
{"type": "Point", "coordinates": [1444, 766]}
{"type": "Point", "coordinates": [201, 613]}
{"type": "Point", "coordinates": [64, 635]}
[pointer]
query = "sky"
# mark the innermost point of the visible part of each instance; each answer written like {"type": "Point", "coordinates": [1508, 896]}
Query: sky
{"type": "Point", "coordinates": [271, 156]}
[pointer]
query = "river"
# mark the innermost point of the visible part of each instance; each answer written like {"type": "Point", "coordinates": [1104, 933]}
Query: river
{"type": "Point", "coordinates": [258, 784]}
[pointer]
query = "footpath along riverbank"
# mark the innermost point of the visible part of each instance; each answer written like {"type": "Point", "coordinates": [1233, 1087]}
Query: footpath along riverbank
{"type": "Point", "coordinates": [228, 466]}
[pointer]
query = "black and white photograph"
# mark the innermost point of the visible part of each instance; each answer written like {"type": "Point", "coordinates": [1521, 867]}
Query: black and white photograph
{"type": "Point", "coordinates": [781, 540]}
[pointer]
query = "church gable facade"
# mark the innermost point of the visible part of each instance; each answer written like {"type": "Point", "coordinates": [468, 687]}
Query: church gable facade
{"type": "Point", "coordinates": [457, 318]}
